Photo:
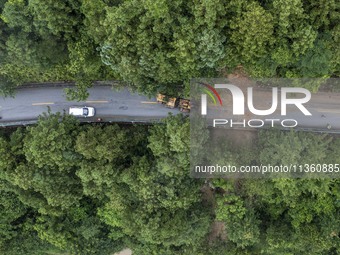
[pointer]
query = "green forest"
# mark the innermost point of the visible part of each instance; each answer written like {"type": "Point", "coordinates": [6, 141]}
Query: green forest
{"type": "Point", "coordinates": [160, 45]}
{"type": "Point", "coordinates": [71, 188]}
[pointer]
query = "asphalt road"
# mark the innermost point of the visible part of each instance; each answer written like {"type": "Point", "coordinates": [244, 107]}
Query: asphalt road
{"type": "Point", "coordinates": [325, 110]}
{"type": "Point", "coordinates": [122, 105]}
{"type": "Point", "coordinates": [111, 105]}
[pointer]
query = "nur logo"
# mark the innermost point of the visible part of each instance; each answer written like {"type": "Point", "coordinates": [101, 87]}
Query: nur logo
{"type": "Point", "coordinates": [208, 89]}
{"type": "Point", "coordinates": [239, 99]}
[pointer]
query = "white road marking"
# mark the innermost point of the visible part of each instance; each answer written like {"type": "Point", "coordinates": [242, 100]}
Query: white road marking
{"type": "Point", "coordinates": [329, 110]}
{"type": "Point", "coordinates": [148, 102]}
{"type": "Point", "coordinates": [47, 103]}
{"type": "Point", "coordinates": [97, 102]}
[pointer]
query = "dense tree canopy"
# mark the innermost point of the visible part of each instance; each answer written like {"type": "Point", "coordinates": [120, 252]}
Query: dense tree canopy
{"type": "Point", "coordinates": [161, 45]}
{"type": "Point", "coordinates": [96, 189]}
{"type": "Point", "coordinates": [74, 188]}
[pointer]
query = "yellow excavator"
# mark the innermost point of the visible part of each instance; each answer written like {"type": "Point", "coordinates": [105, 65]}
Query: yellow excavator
{"type": "Point", "coordinates": [173, 102]}
{"type": "Point", "coordinates": [184, 105]}
{"type": "Point", "coordinates": [170, 102]}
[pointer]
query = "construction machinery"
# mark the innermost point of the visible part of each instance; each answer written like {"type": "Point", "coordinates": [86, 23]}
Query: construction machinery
{"type": "Point", "coordinates": [170, 102]}
{"type": "Point", "coordinates": [184, 105]}
{"type": "Point", "coordinates": [173, 102]}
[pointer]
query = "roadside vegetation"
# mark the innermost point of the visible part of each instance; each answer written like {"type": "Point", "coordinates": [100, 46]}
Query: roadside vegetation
{"type": "Point", "coordinates": [72, 188]}
{"type": "Point", "coordinates": [161, 45]}
{"type": "Point", "coordinates": [78, 188]}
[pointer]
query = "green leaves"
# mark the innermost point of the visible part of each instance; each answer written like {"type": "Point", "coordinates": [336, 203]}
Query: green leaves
{"type": "Point", "coordinates": [123, 186]}
{"type": "Point", "coordinates": [108, 143]}
{"type": "Point", "coordinates": [54, 17]}
{"type": "Point", "coordinates": [271, 216]}
{"type": "Point", "coordinates": [252, 33]}
{"type": "Point", "coordinates": [241, 224]}
{"type": "Point", "coordinates": [154, 201]}
{"type": "Point", "coordinates": [51, 142]}
{"type": "Point", "coordinates": [161, 43]}
{"type": "Point", "coordinates": [96, 189]}
{"type": "Point", "coordinates": [160, 46]}
{"type": "Point", "coordinates": [292, 148]}
{"type": "Point", "coordinates": [88, 184]}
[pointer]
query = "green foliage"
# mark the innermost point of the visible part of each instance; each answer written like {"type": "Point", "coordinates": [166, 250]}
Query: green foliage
{"type": "Point", "coordinates": [108, 143]}
{"type": "Point", "coordinates": [297, 207]}
{"type": "Point", "coordinates": [16, 14]}
{"type": "Point", "coordinates": [51, 142]}
{"type": "Point", "coordinates": [16, 235]}
{"type": "Point", "coordinates": [335, 48]}
{"type": "Point", "coordinates": [84, 66]}
{"type": "Point", "coordinates": [122, 186]}
{"type": "Point", "coordinates": [170, 143]}
{"type": "Point", "coordinates": [78, 232]}
{"type": "Point", "coordinates": [6, 85]}
{"type": "Point", "coordinates": [252, 32]}
{"type": "Point", "coordinates": [97, 189]}
{"type": "Point", "coordinates": [241, 224]}
{"type": "Point", "coordinates": [45, 41]}
{"type": "Point", "coordinates": [50, 185]}
{"type": "Point", "coordinates": [155, 202]}
{"type": "Point", "coordinates": [106, 152]}
{"type": "Point", "coordinates": [292, 148]}
{"type": "Point", "coordinates": [11, 210]}
{"type": "Point", "coordinates": [160, 46]}
{"type": "Point", "coordinates": [283, 215]}
{"type": "Point", "coordinates": [178, 47]}
{"type": "Point", "coordinates": [59, 18]}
